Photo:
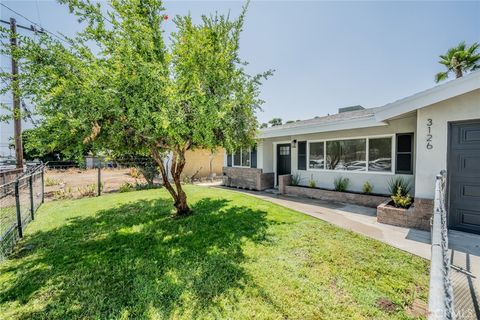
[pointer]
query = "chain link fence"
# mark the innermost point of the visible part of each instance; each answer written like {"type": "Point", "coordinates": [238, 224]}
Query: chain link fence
{"type": "Point", "coordinates": [19, 201]}
{"type": "Point", "coordinates": [440, 300]}
{"type": "Point", "coordinates": [72, 180]}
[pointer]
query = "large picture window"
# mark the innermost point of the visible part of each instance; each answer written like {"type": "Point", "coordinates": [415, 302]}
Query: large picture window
{"type": "Point", "coordinates": [352, 155]}
{"type": "Point", "coordinates": [347, 155]}
{"type": "Point", "coordinates": [241, 158]}
{"type": "Point", "coordinates": [316, 155]}
{"type": "Point", "coordinates": [380, 154]}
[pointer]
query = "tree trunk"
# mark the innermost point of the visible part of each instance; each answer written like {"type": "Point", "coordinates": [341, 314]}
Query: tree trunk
{"type": "Point", "coordinates": [179, 196]}
{"type": "Point", "coordinates": [458, 72]}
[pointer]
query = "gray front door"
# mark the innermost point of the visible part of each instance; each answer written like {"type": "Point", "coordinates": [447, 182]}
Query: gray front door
{"type": "Point", "coordinates": [464, 176]}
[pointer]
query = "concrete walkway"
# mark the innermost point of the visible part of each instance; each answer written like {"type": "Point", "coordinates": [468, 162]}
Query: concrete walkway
{"type": "Point", "coordinates": [464, 247]}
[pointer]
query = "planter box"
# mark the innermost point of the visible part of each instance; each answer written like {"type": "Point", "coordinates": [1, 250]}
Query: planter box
{"type": "Point", "coordinates": [247, 178]}
{"type": "Point", "coordinates": [347, 197]}
{"type": "Point", "coordinates": [417, 216]}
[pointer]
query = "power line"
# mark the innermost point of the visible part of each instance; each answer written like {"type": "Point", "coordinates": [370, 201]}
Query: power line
{"type": "Point", "coordinates": [42, 29]}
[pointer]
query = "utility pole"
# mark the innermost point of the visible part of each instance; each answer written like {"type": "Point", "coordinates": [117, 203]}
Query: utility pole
{"type": "Point", "coordinates": [17, 117]}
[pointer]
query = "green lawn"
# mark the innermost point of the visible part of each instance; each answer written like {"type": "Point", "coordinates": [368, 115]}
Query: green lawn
{"type": "Point", "coordinates": [121, 256]}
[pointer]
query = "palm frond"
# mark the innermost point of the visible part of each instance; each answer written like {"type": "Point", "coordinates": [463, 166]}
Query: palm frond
{"type": "Point", "coordinates": [441, 76]}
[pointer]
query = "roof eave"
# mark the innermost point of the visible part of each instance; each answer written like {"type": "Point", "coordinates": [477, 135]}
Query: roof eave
{"type": "Point", "coordinates": [318, 128]}
{"type": "Point", "coordinates": [428, 97]}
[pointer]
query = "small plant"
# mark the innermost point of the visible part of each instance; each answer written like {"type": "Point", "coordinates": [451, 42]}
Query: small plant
{"type": "Point", "coordinates": [63, 194]}
{"type": "Point", "coordinates": [134, 172]}
{"type": "Point", "coordinates": [52, 182]}
{"type": "Point", "coordinates": [126, 187]}
{"type": "Point", "coordinates": [400, 200]}
{"type": "Point", "coordinates": [399, 183]}
{"type": "Point", "coordinates": [88, 191]}
{"type": "Point", "coordinates": [139, 186]}
{"type": "Point", "coordinates": [312, 184]}
{"type": "Point", "coordinates": [367, 188]}
{"type": "Point", "coordinates": [296, 179]}
{"type": "Point", "coordinates": [341, 184]}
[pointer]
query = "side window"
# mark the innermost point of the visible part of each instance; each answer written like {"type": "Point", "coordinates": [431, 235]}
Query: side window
{"type": "Point", "coordinates": [253, 157]}
{"type": "Point", "coordinates": [404, 153]}
{"type": "Point", "coordinates": [302, 155]}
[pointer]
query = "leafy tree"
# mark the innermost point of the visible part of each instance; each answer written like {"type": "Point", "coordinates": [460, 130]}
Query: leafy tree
{"type": "Point", "coordinates": [275, 122]}
{"type": "Point", "coordinates": [263, 125]}
{"type": "Point", "coordinates": [133, 93]}
{"type": "Point", "coordinates": [459, 59]}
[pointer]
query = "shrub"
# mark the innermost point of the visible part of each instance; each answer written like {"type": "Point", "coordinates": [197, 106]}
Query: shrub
{"type": "Point", "coordinates": [367, 187]}
{"type": "Point", "coordinates": [126, 187]}
{"type": "Point", "coordinates": [147, 186]}
{"type": "Point", "coordinates": [341, 183]}
{"type": "Point", "coordinates": [400, 200]}
{"type": "Point", "coordinates": [399, 183]}
{"type": "Point", "coordinates": [52, 182]}
{"type": "Point", "coordinates": [149, 170]}
{"type": "Point", "coordinates": [89, 191]}
{"type": "Point", "coordinates": [63, 194]}
{"type": "Point", "coordinates": [296, 179]}
{"type": "Point", "coordinates": [312, 184]}
{"type": "Point", "coordinates": [134, 172]}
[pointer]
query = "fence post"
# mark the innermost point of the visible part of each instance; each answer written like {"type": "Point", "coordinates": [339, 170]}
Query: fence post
{"type": "Point", "coordinates": [99, 182]}
{"type": "Point", "coordinates": [43, 184]}
{"type": "Point", "coordinates": [19, 215]}
{"type": "Point", "coordinates": [32, 206]}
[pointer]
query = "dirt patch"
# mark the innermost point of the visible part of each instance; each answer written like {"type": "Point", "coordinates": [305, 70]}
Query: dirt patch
{"type": "Point", "coordinates": [74, 182]}
{"type": "Point", "coordinates": [386, 305]}
{"type": "Point", "coordinates": [417, 309]}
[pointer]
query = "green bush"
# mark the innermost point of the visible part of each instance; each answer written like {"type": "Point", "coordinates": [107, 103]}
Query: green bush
{"type": "Point", "coordinates": [126, 187]}
{"type": "Point", "coordinates": [296, 179]}
{"type": "Point", "coordinates": [400, 200]}
{"type": "Point", "coordinates": [341, 183]}
{"type": "Point", "coordinates": [312, 184]}
{"type": "Point", "coordinates": [399, 183]}
{"type": "Point", "coordinates": [367, 187]}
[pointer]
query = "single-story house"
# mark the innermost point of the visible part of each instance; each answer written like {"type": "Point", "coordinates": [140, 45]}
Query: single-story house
{"type": "Point", "coordinates": [415, 138]}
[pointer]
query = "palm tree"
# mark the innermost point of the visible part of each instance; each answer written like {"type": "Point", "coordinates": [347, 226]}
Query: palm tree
{"type": "Point", "coordinates": [459, 59]}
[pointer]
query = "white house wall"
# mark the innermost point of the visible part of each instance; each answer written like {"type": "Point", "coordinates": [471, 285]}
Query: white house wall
{"type": "Point", "coordinates": [431, 161]}
{"type": "Point", "coordinates": [325, 179]}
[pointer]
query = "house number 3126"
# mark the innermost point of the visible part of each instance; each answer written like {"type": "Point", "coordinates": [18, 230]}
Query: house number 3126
{"type": "Point", "coordinates": [429, 134]}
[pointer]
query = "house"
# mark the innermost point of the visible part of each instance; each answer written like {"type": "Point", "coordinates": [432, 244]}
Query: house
{"type": "Point", "coordinates": [415, 138]}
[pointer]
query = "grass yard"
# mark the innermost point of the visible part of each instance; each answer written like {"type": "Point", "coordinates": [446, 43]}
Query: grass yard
{"type": "Point", "coordinates": [121, 256]}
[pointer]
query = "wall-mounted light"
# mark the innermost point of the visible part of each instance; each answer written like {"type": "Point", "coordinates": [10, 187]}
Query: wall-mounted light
{"type": "Point", "coordinates": [294, 143]}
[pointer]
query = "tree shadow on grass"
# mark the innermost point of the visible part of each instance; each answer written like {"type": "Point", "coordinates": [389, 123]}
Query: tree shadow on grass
{"type": "Point", "coordinates": [135, 260]}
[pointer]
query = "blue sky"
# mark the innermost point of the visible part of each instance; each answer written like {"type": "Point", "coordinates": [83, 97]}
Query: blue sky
{"type": "Point", "coordinates": [326, 54]}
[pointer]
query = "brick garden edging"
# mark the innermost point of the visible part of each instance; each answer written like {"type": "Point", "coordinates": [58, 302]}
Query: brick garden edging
{"type": "Point", "coordinates": [366, 200]}
{"type": "Point", "coordinates": [417, 216]}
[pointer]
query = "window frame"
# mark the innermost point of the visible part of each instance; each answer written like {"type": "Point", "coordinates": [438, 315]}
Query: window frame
{"type": "Point", "coordinates": [411, 152]}
{"type": "Point", "coordinates": [241, 158]}
{"type": "Point", "coordinates": [367, 145]}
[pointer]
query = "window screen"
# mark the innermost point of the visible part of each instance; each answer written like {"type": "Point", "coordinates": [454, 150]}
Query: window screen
{"type": "Point", "coordinates": [302, 155]}
{"type": "Point", "coordinates": [404, 153]}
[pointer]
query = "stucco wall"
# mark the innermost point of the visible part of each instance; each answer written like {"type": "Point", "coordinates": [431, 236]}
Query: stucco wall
{"type": "Point", "coordinates": [431, 161]}
{"type": "Point", "coordinates": [325, 179]}
{"type": "Point", "coordinates": [203, 161]}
